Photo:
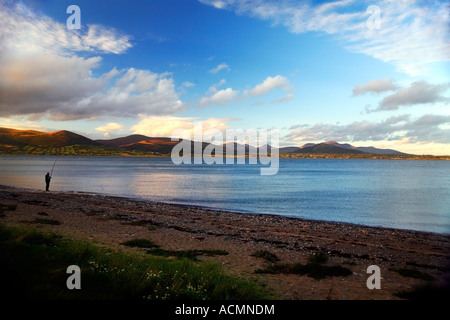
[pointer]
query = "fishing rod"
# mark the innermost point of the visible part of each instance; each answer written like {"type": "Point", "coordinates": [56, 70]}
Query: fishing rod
{"type": "Point", "coordinates": [51, 174]}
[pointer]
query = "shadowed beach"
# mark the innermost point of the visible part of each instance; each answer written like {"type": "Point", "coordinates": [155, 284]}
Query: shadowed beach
{"type": "Point", "coordinates": [110, 221]}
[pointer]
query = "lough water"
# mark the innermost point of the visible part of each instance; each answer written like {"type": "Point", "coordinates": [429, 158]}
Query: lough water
{"type": "Point", "coordinates": [405, 194]}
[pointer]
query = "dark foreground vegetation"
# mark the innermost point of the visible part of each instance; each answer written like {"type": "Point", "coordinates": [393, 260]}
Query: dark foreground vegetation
{"type": "Point", "coordinates": [34, 266]}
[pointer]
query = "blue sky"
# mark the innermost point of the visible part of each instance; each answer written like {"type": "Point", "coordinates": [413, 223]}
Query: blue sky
{"type": "Point", "coordinates": [314, 70]}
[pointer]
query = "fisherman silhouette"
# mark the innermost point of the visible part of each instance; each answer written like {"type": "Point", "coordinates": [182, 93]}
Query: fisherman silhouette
{"type": "Point", "coordinates": [47, 181]}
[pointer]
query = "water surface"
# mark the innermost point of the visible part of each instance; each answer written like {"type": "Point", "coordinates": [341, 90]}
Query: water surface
{"type": "Point", "coordinates": [405, 194]}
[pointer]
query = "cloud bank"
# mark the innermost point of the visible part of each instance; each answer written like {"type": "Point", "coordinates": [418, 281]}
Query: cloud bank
{"type": "Point", "coordinates": [427, 128]}
{"type": "Point", "coordinates": [419, 92]}
{"type": "Point", "coordinates": [44, 72]}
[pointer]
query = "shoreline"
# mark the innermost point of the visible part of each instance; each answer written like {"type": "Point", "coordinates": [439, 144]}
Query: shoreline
{"type": "Point", "coordinates": [294, 156]}
{"type": "Point", "coordinates": [260, 215]}
{"type": "Point", "coordinates": [111, 220]}
{"type": "Point", "coordinates": [243, 212]}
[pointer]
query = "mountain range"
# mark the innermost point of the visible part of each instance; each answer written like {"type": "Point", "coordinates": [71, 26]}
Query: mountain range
{"type": "Point", "coordinates": [31, 141]}
{"type": "Point", "coordinates": [337, 148]}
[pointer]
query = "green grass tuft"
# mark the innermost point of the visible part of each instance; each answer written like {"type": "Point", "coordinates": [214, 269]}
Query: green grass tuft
{"type": "Point", "coordinates": [34, 266]}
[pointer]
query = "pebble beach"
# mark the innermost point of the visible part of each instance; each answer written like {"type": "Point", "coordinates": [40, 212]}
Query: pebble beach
{"type": "Point", "coordinates": [109, 221]}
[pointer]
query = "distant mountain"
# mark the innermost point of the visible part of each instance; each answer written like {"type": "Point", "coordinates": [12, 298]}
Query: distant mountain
{"type": "Point", "coordinates": [31, 141]}
{"type": "Point", "coordinates": [37, 138]}
{"type": "Point", "coordinates": [328, 148]}
{"type": "Point", "coordinates": [379, 151]}
{"type": "Point", "coordinates": [123, 141]}
{"type": "Point", "coordinates": [341, 145]}
{"type": "Point", "coordinates": [338, 148]}
{"type": "Point", "coordinates": [143, 143]}
{"type": "Point", "coordinates": [307, 145]}
{"type": "Point", "coordinates": [288, 149]}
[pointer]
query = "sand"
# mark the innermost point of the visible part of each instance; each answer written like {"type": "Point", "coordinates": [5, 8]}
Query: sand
{"type": "Point", "coordinates": [109, 221]}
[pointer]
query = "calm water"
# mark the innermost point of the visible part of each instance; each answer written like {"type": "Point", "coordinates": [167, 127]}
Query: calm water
{"type": "Point", "coordinates": [400, 194]}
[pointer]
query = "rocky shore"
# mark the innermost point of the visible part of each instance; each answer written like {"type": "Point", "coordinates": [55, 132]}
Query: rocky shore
{"type": "Point", "coordinates": [109, 221]}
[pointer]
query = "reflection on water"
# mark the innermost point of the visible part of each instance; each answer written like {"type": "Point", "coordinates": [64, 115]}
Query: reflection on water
{"type": "Point", "coordinates": [401, 194]}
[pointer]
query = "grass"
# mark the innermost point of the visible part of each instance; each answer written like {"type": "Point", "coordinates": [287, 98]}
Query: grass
{"type": "Point", "coordinates": [33, 265]}
{"type": "Point", "coordinates": [266, 255]}
{"type": "Point", "coordinates": [189, 254]}
{"type": "Point", "coordinates": [314, 268]}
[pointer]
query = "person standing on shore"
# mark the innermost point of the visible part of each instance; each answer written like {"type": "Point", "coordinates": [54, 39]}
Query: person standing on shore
{"type": "Point", "coordinates": [47, 181]}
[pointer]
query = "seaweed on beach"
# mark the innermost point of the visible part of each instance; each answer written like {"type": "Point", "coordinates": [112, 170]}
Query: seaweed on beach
{"type": "Point", "coordinates": [315, 271]}
{"type": "Point", "coordinates": [7, 207]}
{"type": "Point", "coordinates": [140, 243]}
{"type": "Point", "coordinates": [413, 273]}
{"type": "Point", "coordinates": [189, 254]}
{"type": "Point", "coordinates": [314, 268]}
{"type": "Point", "coordinates": [266, 255]}
{"type": "Point", "coordinates": [427, 292]}
{"type": "Point", "coordinates": [52, 222]}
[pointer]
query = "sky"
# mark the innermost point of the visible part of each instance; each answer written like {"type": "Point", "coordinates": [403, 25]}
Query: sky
{"type": "Point", "coordinates": [368, 73]}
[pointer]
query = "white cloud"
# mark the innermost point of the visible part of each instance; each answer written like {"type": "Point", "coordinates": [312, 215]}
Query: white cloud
{"type": "Point", "coordinates": [112, 126]}
{"type": "Point", "coordinates": [164, 126]}
{"type": "Point", "coordinates": [226, 96]}
{"type": "Point", "coordinates": [286, 98]}
{"type": "Point", "coordinates": [218, 4]}
{"type": "Point", "coordinates": [213, 89]}
{"type": "Point", "coordinates": [63, 88]}
{"type": "Point", "coordinates": [36, 84]}
{"type": "Point", "coordinates": [269, 84]}
{"type": "Point", "coordinates": [420, 92]}
{"type": "Point", "coordinates": [222, 66]}
{"type": "Point", "coordinates": [375, 86]}
{"type": "Point", "coordinates": [23, 30]}
{"type": "Point", "coordinates": [412, 34]}
{"type": "Point", "coordinates": [22, 124]}
{"type": "Point", "coordinates": [221, 97]}
{"type": "Point", "coordinates": [188, 84]}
